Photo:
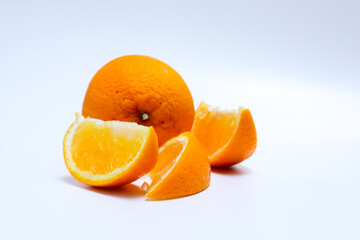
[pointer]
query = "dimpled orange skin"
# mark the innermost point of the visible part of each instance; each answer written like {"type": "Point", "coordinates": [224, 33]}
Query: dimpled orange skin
{"type": "Point", "coordinates": [144, 90]}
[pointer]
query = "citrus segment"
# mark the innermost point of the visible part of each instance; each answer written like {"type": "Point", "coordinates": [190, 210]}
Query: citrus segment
{"type": "Point", "coordinates": [109, 153]}
{"type": "Point", "coordinates": [182, 169]}
{"type": "Point", "coordinates": [228, 136]}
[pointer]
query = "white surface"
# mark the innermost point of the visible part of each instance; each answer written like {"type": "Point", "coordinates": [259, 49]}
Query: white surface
{"type": "Point", "coordinates": [295, 64]}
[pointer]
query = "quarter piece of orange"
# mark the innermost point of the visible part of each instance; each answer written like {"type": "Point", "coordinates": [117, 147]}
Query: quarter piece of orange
{"type": "Point", "coordinates": [107, 154]}
{"type": "Point", "coordinates": [182, 169]}
{"type": "Point", "coordinates": [144, 90]}
{"type": "Point", "coordinates": [228, 136]}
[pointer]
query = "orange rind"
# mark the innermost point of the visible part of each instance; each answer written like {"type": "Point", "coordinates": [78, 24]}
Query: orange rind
{"type": "Point", "coordinates": [229, 137]}
{"type": "Point", "coordinates": [182, 169]}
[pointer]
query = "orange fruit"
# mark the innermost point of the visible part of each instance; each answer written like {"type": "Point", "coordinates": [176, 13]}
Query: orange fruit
{"type": "Point", "coordinates": [144, 90]}
{"type": "Point", "coordinates": [228, 136]}
{"type": "Point", "coordinates": [182, 169]}
{"type": "Point", "coordinates": [107, 154]}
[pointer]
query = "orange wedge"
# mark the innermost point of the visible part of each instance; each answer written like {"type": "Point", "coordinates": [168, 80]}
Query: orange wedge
{"type": "Point", "coordinates": [107, 154]}
{"type": "Point", "coordinates": [182, 169]}
{"type": "Point", "coordinates": [228, 136]}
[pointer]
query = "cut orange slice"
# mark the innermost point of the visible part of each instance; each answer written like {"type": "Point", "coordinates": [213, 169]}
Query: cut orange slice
{"type": "Point", "coordinates": [228, 136]}
{"type": "Point", "coordinates": [182, 169]}
{"type": "Point", "coordinates": [107, 154]}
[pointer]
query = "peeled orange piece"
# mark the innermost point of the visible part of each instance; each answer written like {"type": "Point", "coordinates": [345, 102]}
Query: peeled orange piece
{"type": "Point", "coordinates": [182, 169]}
{"type": "Point", "coordinates": [111, 153]}
{"type": "Point", "coordinates": [228, 136]}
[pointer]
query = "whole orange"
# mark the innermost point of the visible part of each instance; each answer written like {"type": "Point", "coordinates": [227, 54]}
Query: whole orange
{"type": "Point", "coordinates": [144, 90]}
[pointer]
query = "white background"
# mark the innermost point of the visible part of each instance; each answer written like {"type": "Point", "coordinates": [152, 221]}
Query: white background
{"type": "Point", "coordinates": [294, 64]}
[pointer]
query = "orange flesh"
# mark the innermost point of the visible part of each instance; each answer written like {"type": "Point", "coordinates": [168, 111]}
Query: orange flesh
{"type": "Point", "coordinates": [212, 122]}
{"type": "Point", "coordinates": [168, 156]}
{"type": "Point", "coordinates": [103, 156]}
